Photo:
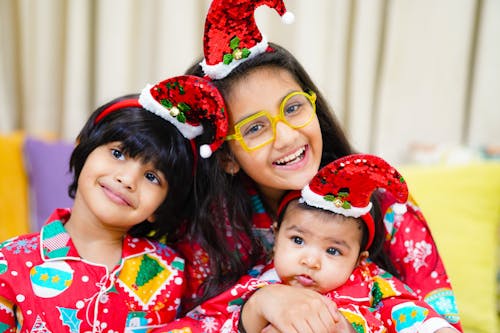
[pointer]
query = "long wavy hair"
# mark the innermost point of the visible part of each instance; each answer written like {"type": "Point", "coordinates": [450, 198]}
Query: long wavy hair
{"type": "Point", "coordinates": [227, 207]}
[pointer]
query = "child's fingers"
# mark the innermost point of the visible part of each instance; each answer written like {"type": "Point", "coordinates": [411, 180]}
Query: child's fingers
{"type": "Point", "coordinates": [270, 329]}
{"type": "Point", "coordinates": [332, 307]}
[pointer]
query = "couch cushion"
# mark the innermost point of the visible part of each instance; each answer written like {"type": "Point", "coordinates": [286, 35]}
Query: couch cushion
{"type": "Point", "coordinates": [47, 165]}
{"type": "Point", "coordinates": [13, 187]}
{"type": "Point", "coordinates": [462, 205]}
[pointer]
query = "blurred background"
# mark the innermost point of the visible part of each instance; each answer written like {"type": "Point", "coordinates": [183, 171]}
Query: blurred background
{"type": "Point", "coordinates": [402, 76]}
{"type": "Point", "coordinates": [415, 81]}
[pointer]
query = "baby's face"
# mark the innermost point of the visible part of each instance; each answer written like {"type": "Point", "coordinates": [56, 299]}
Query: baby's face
{"type": "Point", "coordinates": [315, 249]}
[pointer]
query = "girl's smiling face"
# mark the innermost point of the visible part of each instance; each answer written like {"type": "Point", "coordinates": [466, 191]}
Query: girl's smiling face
{"type": "Point", "coordinates": [118, 191]}
{"type": "Point", "coordinates": [293, 158]}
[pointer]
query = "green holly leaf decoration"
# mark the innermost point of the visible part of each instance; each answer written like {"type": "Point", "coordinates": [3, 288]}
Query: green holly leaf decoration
{"type": "Point", "coordinates": [346, 205]}
{"type": "Point", "coordinates": [329, 197]}
{"type": "Point", "coordinates": [343, 194]}
{"type": "Point", "coordinates": [166, 103]}
{"type": "Point", "coordinates": [233, 43]}
{"type": "Point", "coordinates": [237, 53]}
{"type": "Point", "coordinates": [181, 117]}
{"type": "Point", "coordinates": [245, 52]}
{"type": "Point", "coordinates": [183, 107]}
{"type": "Point", "coordinates": [227, 59]}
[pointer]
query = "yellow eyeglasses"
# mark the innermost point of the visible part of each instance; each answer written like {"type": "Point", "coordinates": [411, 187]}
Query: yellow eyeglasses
{"type": "Point", "coordinates": [296, 110]}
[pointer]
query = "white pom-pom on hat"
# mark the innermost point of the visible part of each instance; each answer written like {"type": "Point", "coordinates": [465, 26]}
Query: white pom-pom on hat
{"type": "Point", "coordinates": [288, 18]}
{"type": "Point", "coordinates": [205, 151]}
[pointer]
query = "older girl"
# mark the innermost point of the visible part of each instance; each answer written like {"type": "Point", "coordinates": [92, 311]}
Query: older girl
{"type": "Point", "coordinates": [281, 130]}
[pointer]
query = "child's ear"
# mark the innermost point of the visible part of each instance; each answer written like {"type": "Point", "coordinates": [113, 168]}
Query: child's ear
{"type": "Point", "coordinates": [275, 227]}
{"type": "Point", "coordinates": [275, 232]}
{"type": "Point", "coordinates": [229, 164]}
{"type": "Point", "coordinates": [363, 256]}
{"type": "Point", "coordinates": [151, 219]}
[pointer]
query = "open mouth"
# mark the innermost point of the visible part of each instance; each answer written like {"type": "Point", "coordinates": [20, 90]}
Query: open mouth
{"type": "Point", "coordinates": [292, 158]}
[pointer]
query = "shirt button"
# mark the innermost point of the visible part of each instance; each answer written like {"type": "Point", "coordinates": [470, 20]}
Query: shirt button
{"type": "Point", "coordinates": [104, 298]}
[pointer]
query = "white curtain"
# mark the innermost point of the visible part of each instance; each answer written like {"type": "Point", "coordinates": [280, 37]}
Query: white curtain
{"type": "Point", "coordinates": [396, 72]}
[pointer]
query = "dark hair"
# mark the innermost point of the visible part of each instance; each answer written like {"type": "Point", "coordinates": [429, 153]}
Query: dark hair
{"type": "Point", "coordinates": [146, 136]}
{"type": "Point", "coordinates": [231, 207]}
{"type": "Point", "coordinates": [281, 58]}
{"type": "Point", "coordinates": [377, 254]}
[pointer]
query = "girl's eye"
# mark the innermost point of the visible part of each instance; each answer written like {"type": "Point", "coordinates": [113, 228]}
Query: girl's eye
{"type": "Point", "coordinates": [117, 154]}
{"type": "Point", "coordinates": [297, 240]}
{"type": "Point", "coordinates": [256, 127]}
{"type": "Point", "coordinates": [333, 251]}
{"type": "Point", "coordinates": [253, 129]}
{"type": "Point", "coordinates": [292, 109]}
{"type": "Point", "coordinates": [152, 177]}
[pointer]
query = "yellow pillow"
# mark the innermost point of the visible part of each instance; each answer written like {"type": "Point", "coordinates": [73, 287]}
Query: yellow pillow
{"type": "Point", "coordinates": [462, 206]}
{"type": "Point", "coordinates": [13, 187]}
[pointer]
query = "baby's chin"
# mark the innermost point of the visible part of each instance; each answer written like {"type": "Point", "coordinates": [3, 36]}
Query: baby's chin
{"type": "Point", "coordinates": [313, 288]}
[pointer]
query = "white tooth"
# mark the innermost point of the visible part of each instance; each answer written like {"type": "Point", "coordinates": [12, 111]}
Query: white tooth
{"type": "Point", "coordinates": [292, 156]}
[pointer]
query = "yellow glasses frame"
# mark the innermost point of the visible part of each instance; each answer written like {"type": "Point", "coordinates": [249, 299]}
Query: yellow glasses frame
{"type": "Point", "coordinates": [310, 95]}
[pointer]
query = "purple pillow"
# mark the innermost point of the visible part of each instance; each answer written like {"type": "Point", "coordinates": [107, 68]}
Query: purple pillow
{"type": "Point", "coordinates": [47, 165]}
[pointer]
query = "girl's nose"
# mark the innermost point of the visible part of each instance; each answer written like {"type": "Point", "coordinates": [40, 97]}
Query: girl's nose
{"type": "Point", "coordinates": [128, 176]}
{"type": "Point", "coordinates": [285, 136]}
{"type": "Point", "coordinates": [125, 181]}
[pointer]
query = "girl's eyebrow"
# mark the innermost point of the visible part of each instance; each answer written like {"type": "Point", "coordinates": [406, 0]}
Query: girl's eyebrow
{"type": "Point", "coordinates": [338, 242]}
{"type": "Point", "coordinates": [296, 228]}
{"type": "Point", "coordinates": [330, 239]}
{"type": "Point", "coordinates": [247, 116]}
{"type": "Point", "coordinates": [264, 110]}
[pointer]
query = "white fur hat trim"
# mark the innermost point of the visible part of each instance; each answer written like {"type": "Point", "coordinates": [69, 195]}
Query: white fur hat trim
{"type": "Point", "coordinates": [316, 200]}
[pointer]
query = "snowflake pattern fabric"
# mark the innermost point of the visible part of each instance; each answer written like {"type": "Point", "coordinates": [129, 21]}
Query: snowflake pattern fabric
{"type": "Point", "coordinates": [46, 287]}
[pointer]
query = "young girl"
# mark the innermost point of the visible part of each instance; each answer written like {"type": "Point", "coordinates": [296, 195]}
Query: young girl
{"type": "Point", "coordinates": [232, 230]}
{"type": "Point", "coordinates": [324, 235]}
{"type": "Point", "coordinates": [99, 267]}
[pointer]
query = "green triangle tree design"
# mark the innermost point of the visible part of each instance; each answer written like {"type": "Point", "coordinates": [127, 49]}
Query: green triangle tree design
{"type": "Point", "coordinates": [376, 293]}
{"type": "Point", "coordinates": [147, 271]}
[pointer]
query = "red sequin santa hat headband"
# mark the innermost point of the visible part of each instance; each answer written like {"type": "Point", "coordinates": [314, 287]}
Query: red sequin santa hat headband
{"type": "Point", "coordinates": [185, 101]}
{"type": "Point", "coordinates": [345, 185]}
{"type": "Point", "coordinates": [232, 36]}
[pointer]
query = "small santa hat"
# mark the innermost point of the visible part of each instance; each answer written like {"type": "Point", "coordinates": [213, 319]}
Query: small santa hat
{"type": "Point", "coordinates": [232, 36]}
{"type": "Point", "coordinates": [186, 101]}
{"type": "Point", "coordinates": [345, 185]}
